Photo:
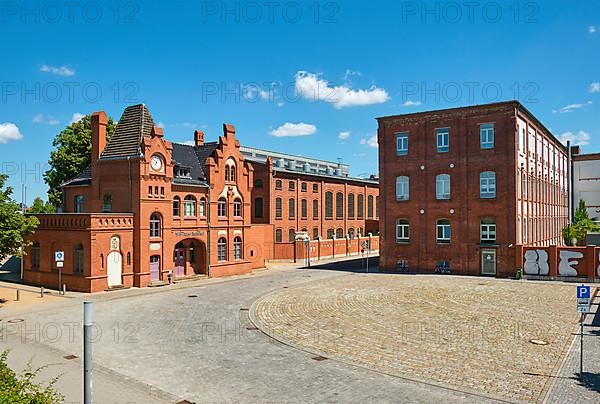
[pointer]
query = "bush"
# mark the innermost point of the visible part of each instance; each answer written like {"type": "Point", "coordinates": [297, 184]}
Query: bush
{"type": "Point", "coordinates": [21, 388]}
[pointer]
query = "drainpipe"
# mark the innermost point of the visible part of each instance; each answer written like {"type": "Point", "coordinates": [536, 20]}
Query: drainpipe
{"type": "Point", "coordinates": [208, 235]}
{"type": "Point", "coordinates": [570, 181]}
{"type": "Point", "coordinates": [129, 181]}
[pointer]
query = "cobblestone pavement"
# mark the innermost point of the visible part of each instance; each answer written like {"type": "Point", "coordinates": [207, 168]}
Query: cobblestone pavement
{"type": "Point", "coordinates": [469, 333]}
{"type": "Point", "coordinates": [570, 385]}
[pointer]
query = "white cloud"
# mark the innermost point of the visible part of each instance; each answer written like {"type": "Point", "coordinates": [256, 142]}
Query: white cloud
{"type": "Point", "coordinates": [161, 125]}
{"type": "Point", "coordinates": [311, 86]}
{"type": "Point", "coordinates": [52, 121]}
{"type": "Point", "coordinates": [595, 87]}
{"type": "Point", "coordinates": [189, 143]}
{"type": "Point", "coordinates": [410, 103]}
{"type": "Point", "coordinates": [60, 71]}
{"type": "Point", "coordinates": [344, 135]}
{"type": "Point", "coordinates": [349, 73]}
{"type": "Point", "coordinates": [571, 107]}
{"type": "Point", "coordinates": [580, 138]}
{"type": "Point", "coordinates": [294, 129]}
{"type": "Point", "coordinates": [38, 118]}
{"type": "Point", "coordinates": [77, 116]}
{"type": "Point", "coordinates": [9, 131]}
{"type": "Point", "coordinates": [592, 29]}
{"type": "Point", "coordinates": [372, 141]}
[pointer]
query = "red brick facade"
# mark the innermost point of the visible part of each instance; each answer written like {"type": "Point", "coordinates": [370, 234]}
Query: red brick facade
{"type": "Point", "coordinates": [452, 188]}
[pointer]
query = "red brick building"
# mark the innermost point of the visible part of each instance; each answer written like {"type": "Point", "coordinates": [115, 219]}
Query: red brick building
{"type": "Point", "coordinates": [463, 186]}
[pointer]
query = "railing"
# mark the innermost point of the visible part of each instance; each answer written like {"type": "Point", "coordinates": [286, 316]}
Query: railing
{"type": "Point", "coordinates": [83, 221]}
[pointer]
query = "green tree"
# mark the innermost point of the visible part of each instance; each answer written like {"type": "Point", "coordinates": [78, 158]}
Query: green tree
{"type": "Point", "coordinates": [72, 155]}
{"type": "Point", "coordinates": [39, 206]}
{"type": "Point", "coordinates": [21, 388]}
{"type": "Point", "coordinates": [582, 224]}
{"type": "Point", "coordinates": [14, 226]}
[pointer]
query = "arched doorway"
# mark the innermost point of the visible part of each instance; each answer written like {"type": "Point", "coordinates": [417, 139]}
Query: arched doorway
{"type": "Point", "coordinates": [189, 258]}
{"type": "Point", "coordinates": [114, 263]}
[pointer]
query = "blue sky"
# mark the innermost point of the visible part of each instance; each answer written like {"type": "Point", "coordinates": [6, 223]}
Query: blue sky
{"type": "Point", "coordinates": [304, 78]}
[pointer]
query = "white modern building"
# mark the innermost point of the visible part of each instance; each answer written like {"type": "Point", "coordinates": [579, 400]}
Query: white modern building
{"type": "Point", "coordinates": [586, 183]}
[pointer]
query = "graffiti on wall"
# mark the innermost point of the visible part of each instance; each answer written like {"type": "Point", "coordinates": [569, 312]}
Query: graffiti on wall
{"type": "Point", "coordinates": [536, 262]}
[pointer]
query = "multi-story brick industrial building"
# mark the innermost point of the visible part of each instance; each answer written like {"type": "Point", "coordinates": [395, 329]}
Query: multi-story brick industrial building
{"type": "Point", "coordinates": [147, 208]}
{"type": "Point", "coordinates": [314, 196]}
{"type": "Point", "coordinates": [463, 186]}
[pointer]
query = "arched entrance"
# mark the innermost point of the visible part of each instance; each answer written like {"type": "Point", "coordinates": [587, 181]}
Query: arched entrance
{"type": "Point", "coordinates": [189, 258]}
{"type": "Point", "coordinates": [114, 263]}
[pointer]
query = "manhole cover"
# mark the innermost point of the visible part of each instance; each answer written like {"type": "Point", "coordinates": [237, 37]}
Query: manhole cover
{"type": "Point", "coordinates": [16, 320]}
{"type": "Point", "coordinates": [70, 357]}
{"type": "Point", "coordinates": [538, 342]}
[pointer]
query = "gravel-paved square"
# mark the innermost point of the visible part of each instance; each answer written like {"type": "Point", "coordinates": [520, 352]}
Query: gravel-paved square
{"type": "Point", "coordinates": [472, 334]}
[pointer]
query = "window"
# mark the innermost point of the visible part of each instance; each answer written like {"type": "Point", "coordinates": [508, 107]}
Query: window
{"type": "Point", "coordinates": [292, 208]}
{"type": "Point", "coordinates": [443, 231]}
{"type": "Point", "coordinates": [328, 205]}
{"type": "Point", "coordinates": [107, 203]}
{"type": "Point", "coordinates": [377, 207]}
{"type": "Point", "coordinates": [78, 203]}
{"type": "Point", "coordinates": [443, 140]}
{"type": "Point", "coordinates": [155, 225]}
{"type": "Point", "coordinates": [339, 233]}
{"type": "Point", "coordinates": [258, 184]}
{"type": "Point", "coordinates": [202, 207]}
{"type": "Point", "coordinates": [278, 184]}
{"type": "Point", "coordinates": [237, 208]}
{"type": "Point", "coordinates": [278, 208]}
{"type": "Point", "coordinates": [237, 248]}
{"type": "Point", "coordinates": [258, 208]}
{"type": "Point", "coordinates": [315, 209]}
{"type": "Point", "coordinates": [292, 186]}
{"type": "Point", "coordinates": [330, 233]}
{"type": "Point", "coordinates": [339, 205]}
{"type": "Point", "coordinates": [402, 231]}
{"type": "Point", "coordinates": [278, 236]}
{"type": "Point", "coordinates": [230, 171]}
{"type": "Point", "coordinates": [488, 230]}
{"type": "Point", "coordinates": [35, 256]}
{"type": "Point", "coordinates": [150, 194]}
{"type": "Point", "coordinates": [351, 206]}
{"type": "Point", "coordinates": [189, 206]}
{"type": "Point", "coordinates": [351, 233]}
{"type": "Point", "coordinates": [78, 259]}
{"type": "Point", "coordinates": [370, 207]}
{"type": "Point", "coordinates": [315, 233]}
{"type": "Point", "coordinates": [442, 186]}
{"type": "Point", "coordinates": [222, 207]}
{"type": "Point", "coordinates": [360, 206]}
{"type": "Point", "coordinates": [402, 189]}
{"type": "Point", "coordinates": [176, 205]}
{"type": "Point", "coordinates": [304, 208]}
{"type": "Point", "coordinates": [292, 235]}
{"type": "Point", "coordinates": [222, 249]}
{"type": "Point", "coordinates": [315, 188]}
{"type": "Point", "coordinates": [487, 184]}
{"type": "Point", "coordinates": [402, 144]}
{"type": "Point", "coordinates": [304, 187]}
{"type": "Point", "coordinates": [486, 136]}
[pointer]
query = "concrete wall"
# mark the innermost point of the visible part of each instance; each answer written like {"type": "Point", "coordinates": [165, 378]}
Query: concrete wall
{"type": "Point", "coordinates": [566, 263]}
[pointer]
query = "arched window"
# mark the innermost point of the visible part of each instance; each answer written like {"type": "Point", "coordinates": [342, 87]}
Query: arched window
{"type": "Point", "coordinates": [351, 233]}
{"type": "Point", "coordinates": [329, 205]}
{"type": "Point", "coordinates": [315, 233]}
{"type": "Point", "coordinates": [230, 171]}
{"type": "Point", "coordinates": [315, 209]}
{"type": "Point", "coordinates": [339, 206]}
{"type": "Point", "coordinates": [278, 184]}
{"type": "Point", "coordinates": [488, 230]}
{"type": "Point", "coordinates": [443, 231]}
{"type": "Point", "coordinates": [189, 206]}
{"type": "Point", "coordinates": [361, 206]}
{"type": "Point", "coordinates": [278, 236]}
{"type": "Point", "coordinates": [155, 225]}
{"type": "Point", "coordinates": [202, 207]}
{"type": "Point", "coordinates": [258, 184]}
{"type": "Point", "coordinates": [304, 208]}
{"type": "Point", "coordinates": [78, 259]}
{"type": "Point", "coordinates": [226, 173]}
{"type": "Point", "coordinates": [370, 207]}
{"type": "Point", "coordinates": [351, 206]}
{"type": "Point", "coordinates": [237, 248]}
{"type": "Point", "coordinates": [258, 208]}
{"type": "Point", "coordinates": [237, 207]}
{"type": "Point", "coordinates": [330, 233]}
{"type": "Point", "coordinates": [292, 208]}
{"type": "Point", "coordinates": [487, 185]}
{"type": "Point", "coordinates": [222, 249]}
{"type": "Point", "coordinates": [339, 233]}
{"type": "Point", "coordinates": [402, 231]}
{"type": "Point", "coordinates": [176, 206]}
{"type": "Point", "coordinates": [278, 208]}
{"type": "Point", "coordinates": [442, 186]}
{"type": "Point", "coordinates": [222, 207]}
{"type": "Point", "coordinates": [402, 188]}
{"type": "Point", "coordinates": [35, 255]}
{"type": "Point", "coordinates": [292, 235]}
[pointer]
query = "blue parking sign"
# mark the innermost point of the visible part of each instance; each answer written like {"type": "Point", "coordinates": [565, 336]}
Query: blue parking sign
{"type": "Point", "coordinates": [583, 292]}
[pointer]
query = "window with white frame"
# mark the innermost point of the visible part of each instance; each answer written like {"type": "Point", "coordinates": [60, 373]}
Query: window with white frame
{"type": "Point", "coordinates": [237, 208]}
{"type": "Point", "coordinates": [402, 144]}
{"type": "Point", "coordinates": [237, 248]}
{"type": "Point", "coordinates": [189, 206]}
{"type": "Point", "coordinates": [222, 249]}
{"type": "Point", "coordinates": [442, 140]}
{"type": "Point", "coordinates": [486, 136]}
{"type": "Point", "coordinates": [202, 207]}
{"type": "Point", "coordinates": [487, 184]}
{"type": "Point", "coordinates": [278, 208]}
{"type": "Point", "coordinates": [222, 207]}
{"type": "Point", "coordinates": [442, 186]}
{"type": "Point", "coordinates": [402, 189]}
{"type": "Point", "coordinates": [443, 231]}
{"type": "Point", "coordinates": [402, 231]}
{"type": "Point", "coordinates": [155, 225]}
{"type": "Point", "coordinates": [176, 204]}
{"type": "Point", "coordinates": [78, 203]}
{"type": "Point", "coordinates": [488, 230]}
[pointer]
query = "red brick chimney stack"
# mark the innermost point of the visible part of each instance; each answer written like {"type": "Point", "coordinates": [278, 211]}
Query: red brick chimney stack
{"type": "Point", "coordinates": [98, 121]}
{"type": "Point", "coordinates": [199, 138]}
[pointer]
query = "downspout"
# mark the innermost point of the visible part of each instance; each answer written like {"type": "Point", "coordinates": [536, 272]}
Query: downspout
{"type": "Point", "coordinates": [570, 181]}
{"type": "Point", "coordinates": [208, 235]}
{"type": "Point", "coordinates": [129, 181]}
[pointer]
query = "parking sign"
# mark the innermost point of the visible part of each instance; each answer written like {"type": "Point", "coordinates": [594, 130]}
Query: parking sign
{"type": "Point", "coordinates": [59, 256]}
{"type": "Point", "coordinates": [583, 299]}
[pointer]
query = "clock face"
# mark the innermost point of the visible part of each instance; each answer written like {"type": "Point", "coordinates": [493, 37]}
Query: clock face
{"type": "Point", "coordinates": [156, 163]}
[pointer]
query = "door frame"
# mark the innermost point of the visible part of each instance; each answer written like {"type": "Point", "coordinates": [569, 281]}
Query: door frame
{"type": "Point", "coordinates": [481, 264]}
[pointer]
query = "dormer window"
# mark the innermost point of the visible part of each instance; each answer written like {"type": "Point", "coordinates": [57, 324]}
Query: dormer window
{"type": "Point", "coordinates": [183, 172]}
{"type": "Point", "coordinates": [230, 171]}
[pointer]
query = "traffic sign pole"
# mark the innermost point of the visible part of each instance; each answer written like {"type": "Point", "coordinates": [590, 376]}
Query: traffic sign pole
{"type": "Point", "coordinates": [581, 346]}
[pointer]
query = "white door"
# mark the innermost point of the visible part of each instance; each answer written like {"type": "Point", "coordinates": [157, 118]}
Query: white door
{"type": "Point", "coordinates": [114, 261]}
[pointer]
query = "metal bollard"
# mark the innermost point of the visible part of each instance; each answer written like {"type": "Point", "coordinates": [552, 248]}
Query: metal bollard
{"type": "Point", "coordinates": [42, 291]}
{"type": "Point", "coordinates": [64, 289]}
{"type": "Point", "coordinates": [18, 295]}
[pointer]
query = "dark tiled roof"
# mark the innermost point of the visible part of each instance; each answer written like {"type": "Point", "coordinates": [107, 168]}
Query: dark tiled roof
{"type": "Point", "coordinates": [135, 123]}
{"type": "Point", "coordinates": [194, 158]}
{"type": "Point", "coordinates": [83, 178]}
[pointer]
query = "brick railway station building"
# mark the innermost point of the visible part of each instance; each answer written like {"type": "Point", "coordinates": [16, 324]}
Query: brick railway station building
{"type": "Point", "coordinates": [465, 186]}
{"type": "Point", "coordinates": [147, 208]}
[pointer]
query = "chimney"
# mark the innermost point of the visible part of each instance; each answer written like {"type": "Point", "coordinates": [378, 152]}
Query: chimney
{"type": "Point", "coordinates": [199, 138]}
{"type": "Point", "coordinates": [157, 131]}
{"type": "Point", "coordinates": [98, 121]}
